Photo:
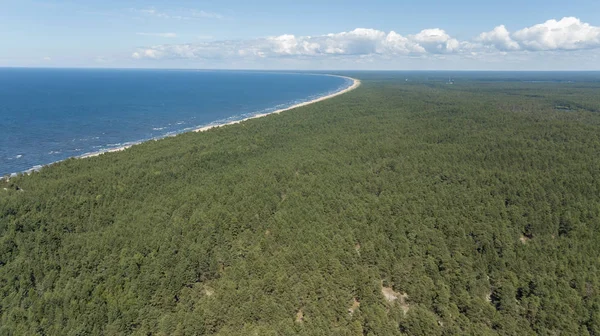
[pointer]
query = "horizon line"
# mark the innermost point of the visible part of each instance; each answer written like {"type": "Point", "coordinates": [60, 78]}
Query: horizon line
{"type": "Point", "coordinates": [288, 70]}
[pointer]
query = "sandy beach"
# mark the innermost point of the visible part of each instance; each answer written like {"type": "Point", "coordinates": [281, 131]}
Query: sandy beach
{"type": "Point", "coordinates": [356, 83]}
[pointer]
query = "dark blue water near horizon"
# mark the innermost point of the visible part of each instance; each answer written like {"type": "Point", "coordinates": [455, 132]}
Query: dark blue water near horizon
{"type": "Point", "coordinates": [48, 115]}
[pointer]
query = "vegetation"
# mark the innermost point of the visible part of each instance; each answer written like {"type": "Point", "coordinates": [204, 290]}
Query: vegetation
{"type": "Point", "coordinates": [401, 208]}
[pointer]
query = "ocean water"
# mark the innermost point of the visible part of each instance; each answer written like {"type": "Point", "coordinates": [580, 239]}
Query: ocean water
{"type": "Point", "coordinates": [48, 115]}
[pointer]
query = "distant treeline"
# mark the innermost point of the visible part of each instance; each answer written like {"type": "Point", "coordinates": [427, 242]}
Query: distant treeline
{"type": "Point", "coordinates": [405, 207]}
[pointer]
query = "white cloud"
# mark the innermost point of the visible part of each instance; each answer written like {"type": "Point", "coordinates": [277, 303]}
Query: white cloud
{"type": "Point", "coordinates": [167, 35]}
{"type": "Point", "coordinates": [47, 59]}
{"type": "Point", "coordinates": [363, 44]}
{"type": "Point", "coordinates": [436, 41]}
{"type": "Point", "coordinates": [396, 44]}
{"type": "Point", "coordinates": [148, 53]}
{"type": "Point", "coordinates": [358, 42]}
{"type": "Point", "coordinates": [499, 38]}
{"type": "Point", "coordinates": [567, 34]}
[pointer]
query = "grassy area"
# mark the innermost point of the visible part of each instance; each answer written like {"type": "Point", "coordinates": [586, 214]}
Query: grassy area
{"type": "Point", "coordinates": [401, 208]}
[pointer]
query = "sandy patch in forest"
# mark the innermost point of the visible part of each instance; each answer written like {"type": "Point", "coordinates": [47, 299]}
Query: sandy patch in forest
{"type": "Point", "coordinates": [391, 296]}
{"type": "Point", "coordinates": [354, 307]}
{"type": "Point", "coordinates": [209, 291]}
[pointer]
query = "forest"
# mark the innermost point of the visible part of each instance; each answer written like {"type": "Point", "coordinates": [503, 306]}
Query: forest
{"type": "Point", "coordinates": [408, 206]}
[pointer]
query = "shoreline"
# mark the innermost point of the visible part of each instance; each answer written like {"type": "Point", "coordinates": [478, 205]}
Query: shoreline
{"type": "Point", "coordinates": [355, 84]}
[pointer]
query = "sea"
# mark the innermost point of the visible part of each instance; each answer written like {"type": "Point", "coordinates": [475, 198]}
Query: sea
{"type": "Point", "coordinates": [48, 115]}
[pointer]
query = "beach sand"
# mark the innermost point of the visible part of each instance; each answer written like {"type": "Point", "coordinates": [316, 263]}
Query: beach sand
{"type": "Point", "coordinates": [355, 84]}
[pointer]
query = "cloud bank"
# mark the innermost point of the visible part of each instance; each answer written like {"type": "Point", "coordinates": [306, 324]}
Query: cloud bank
{"type": "Point", "coordinates": [567, 34]}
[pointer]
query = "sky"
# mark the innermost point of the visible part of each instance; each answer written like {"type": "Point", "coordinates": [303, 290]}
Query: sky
{"type": "Point", "coordinates": [302, 35]}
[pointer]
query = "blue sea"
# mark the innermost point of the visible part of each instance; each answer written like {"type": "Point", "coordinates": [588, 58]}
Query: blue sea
{"type": "Point", "coordinates": [48, 115]}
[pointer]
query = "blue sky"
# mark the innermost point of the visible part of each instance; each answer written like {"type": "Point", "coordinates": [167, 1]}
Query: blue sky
{"type": "Point", "coordinates": [309, 34]}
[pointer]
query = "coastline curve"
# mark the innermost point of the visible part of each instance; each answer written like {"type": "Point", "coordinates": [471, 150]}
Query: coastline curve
{"type": "Point", "coordinates": [355, 84]}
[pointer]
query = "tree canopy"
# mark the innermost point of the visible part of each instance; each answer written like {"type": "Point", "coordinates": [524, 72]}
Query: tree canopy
{"type": "Point", "coordinates": [405, 207]}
